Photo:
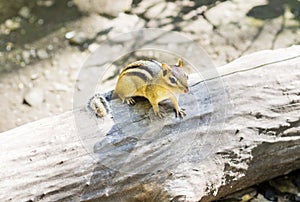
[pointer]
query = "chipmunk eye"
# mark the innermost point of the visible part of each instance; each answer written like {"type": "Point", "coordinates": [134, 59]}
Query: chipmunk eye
{"type": "Point", "coordinates": [172, 80]}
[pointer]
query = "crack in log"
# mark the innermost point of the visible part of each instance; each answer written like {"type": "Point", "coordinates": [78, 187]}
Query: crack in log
{"type": "Point", "coordinates": [278, 131]}
{"type": "Point", "coordinates": [286, 108]}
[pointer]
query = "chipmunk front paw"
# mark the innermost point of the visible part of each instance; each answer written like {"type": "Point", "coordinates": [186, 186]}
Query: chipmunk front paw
{"type": "Point", "coordinates": [129, 101]}
{"type": "Point", "coordinates": [180, 113]}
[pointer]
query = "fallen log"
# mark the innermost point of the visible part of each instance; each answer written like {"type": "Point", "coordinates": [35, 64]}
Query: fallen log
{"type": "Point", "coordinates": [230, 139]}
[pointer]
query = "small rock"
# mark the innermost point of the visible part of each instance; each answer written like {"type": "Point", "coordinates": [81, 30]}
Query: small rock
{"type": "Point", "coordinates": [112, 8]}
{"type": "Point", "coordinates": [33, 53]}
{"type": "Point", "coordinates": [156, 10]}
{"type": "Point", "coordinates": [70, 35]}
{"type": "Point", "coordinates": [198, 26]}
{"type": "Point", "coordinates": [50, 47]}
{"type": "Point", "coordinates": [9, 46]}
{"type": "Point", "coordinates": [12, 24]}
{"type": "Point", "coordinates": [162, 10]}
{"type": "Point", "coordinates": [26, 57]}
{"type": "Point", "coordinates": [34, 76]}
{"type": "Point", "coordinates": [115, 7]}
{"type": "Point", "coordinates": [42, 54]}
{"type": "Point", "coordinates": [143, 6]}
{"type": "Point", "coordinates": [24, 12]}
{"type": "Point", "coordinates": [224, 13]}
{"type": "Point", "coordinates": [260, 198]}
{"type": "Point", "coordinates": [125, 23]}
{"type": "Point", "coordinates": [18, 57]}
{"type": "Point", "coordinates": [76, 38]}
{"type": "Point", "coordinates": [34, 97]}
{"type": "Point", "coordinates": [40, 21]}
{"type": "Point", "coordinates": [45, 3]}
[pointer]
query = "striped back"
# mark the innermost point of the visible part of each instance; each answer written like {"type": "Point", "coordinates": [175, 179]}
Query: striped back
{"type": "Point", "coordinates": [144, 69]}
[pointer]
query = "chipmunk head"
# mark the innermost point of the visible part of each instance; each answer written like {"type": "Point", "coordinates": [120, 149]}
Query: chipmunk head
{"type": "Point", "coordinates": [175, 77]}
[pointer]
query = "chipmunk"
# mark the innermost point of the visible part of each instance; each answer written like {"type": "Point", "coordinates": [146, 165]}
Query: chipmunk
{"type": "Point", "coordinates": [155, 81]}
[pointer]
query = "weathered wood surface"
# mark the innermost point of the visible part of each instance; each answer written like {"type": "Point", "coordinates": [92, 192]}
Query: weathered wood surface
{"type": "Point", "coordinates": [229, 140]}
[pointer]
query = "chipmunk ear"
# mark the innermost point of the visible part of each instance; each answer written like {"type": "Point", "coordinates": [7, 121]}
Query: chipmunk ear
{"type": "Point", "coordinates": [179, 63]}
{"type": "Point", "coordinates": [165, 68]}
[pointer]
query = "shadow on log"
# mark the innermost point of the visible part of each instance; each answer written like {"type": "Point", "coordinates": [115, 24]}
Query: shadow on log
{"type": "Point", "coordinates": [229, 140]}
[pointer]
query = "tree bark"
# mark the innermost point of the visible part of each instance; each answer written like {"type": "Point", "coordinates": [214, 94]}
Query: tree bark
{"type": "Point", "coordinates": [240, 129]}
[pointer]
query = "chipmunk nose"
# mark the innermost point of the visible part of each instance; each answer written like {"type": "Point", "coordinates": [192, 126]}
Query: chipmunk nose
{"type": "Point", "coordinates": [186, 89]}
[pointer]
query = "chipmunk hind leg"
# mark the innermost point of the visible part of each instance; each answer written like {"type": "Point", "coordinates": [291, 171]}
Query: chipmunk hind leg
{"type": "Point", "coordinates": [125, 89]}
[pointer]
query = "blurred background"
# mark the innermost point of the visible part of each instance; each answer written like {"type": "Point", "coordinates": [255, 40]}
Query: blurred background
{"type": "Point", "coordinates": [44, 43]}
